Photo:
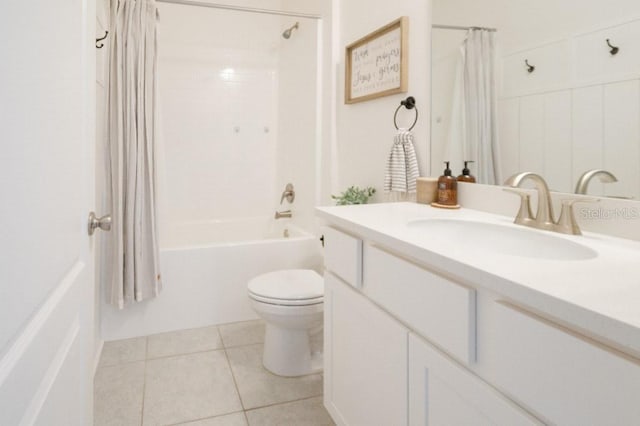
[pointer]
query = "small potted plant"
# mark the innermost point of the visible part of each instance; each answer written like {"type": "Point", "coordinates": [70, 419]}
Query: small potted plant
{"type": "Point", "coordinates": [354, 195]}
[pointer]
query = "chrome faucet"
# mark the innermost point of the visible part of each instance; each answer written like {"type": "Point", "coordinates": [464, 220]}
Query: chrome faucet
{"type": "Point", "coordinates": [544, 217]}
{"type": "Point", "coordinates": [603, 175]}
{"type": "Point", "coordinates": [284, 214]}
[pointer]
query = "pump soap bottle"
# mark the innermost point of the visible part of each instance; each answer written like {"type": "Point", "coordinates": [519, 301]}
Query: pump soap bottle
{"type": "Point", "coordinates": [447, 191]}
{"type": "Point", "coordinates": [466, 174]}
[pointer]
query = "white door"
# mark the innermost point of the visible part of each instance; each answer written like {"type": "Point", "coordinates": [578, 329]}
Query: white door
{"type": "Point", "coordinates": [47, 113]}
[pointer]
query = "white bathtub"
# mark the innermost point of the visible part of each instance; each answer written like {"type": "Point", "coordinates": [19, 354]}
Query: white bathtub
{"type": "Point", "coordinates": [205, 269]}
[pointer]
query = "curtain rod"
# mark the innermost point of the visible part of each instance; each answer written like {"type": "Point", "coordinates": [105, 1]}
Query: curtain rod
{"type": "Point", "coordinates": [240, 8]}
{"type": "Point", "coordinates": [456, 27]}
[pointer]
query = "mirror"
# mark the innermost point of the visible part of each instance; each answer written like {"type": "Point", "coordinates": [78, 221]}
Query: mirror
{"type": "Point", "coordinates": [567, 77]}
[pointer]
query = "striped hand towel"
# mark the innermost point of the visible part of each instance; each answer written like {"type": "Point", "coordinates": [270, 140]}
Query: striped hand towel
{"type": "Point", "coordinates": [402, 166]}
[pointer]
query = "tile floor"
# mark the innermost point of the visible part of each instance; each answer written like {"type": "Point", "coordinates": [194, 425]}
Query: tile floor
{"type": "Point", "coordinates": [210, 376]}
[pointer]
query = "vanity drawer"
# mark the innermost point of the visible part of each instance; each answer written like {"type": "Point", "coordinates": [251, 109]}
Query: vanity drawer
{"type": "Point", "coordinates": [343, 255]}
{"type": "Point", "coordinates": [438, 309]}
{"type": "Point", "coordinates": [560, 375]}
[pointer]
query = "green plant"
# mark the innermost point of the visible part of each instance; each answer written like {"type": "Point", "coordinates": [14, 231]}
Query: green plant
{"type": "Point", "coordinates": [354, 195]}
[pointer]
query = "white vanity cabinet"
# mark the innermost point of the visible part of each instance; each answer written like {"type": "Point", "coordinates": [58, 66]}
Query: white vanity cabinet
{"type": "Point", "coordinates": [408, 344]}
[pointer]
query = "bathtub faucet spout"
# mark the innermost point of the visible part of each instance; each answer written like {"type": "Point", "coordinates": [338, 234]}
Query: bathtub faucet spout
{"type": "Point", "coordinates": [283, 214]}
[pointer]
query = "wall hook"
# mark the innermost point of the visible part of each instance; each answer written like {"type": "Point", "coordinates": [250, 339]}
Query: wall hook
{"type": "Point", "coordinates": [614, 50]}
{"type": "Point", "coordinates": [101, 45]}
{"type": "Point", "coordinates": [530, 68]}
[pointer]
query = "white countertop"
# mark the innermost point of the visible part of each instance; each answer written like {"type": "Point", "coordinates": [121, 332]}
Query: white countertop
{"type": "Point", "coordinates": [599, 297]}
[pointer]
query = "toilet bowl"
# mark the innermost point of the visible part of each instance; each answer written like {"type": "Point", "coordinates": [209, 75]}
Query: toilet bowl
{"type": "Point", "coordinates": [291, 303]}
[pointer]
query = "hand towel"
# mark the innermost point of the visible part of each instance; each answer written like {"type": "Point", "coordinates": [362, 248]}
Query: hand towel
{"type": "Point", "coordinates": [402, 165]}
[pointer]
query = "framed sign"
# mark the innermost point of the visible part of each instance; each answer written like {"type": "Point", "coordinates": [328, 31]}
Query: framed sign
{"type": "Point", "coordinates": [377, 64]}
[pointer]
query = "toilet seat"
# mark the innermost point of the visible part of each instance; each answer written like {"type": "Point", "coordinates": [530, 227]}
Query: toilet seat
{"type": "Point", "coordinates": [289, 287]}
{"type": "Point", "coordinates": [286, 302]}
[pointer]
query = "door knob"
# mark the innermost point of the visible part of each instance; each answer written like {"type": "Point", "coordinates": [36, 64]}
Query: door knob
{"type": "Point", "coordinates": [96, 222]}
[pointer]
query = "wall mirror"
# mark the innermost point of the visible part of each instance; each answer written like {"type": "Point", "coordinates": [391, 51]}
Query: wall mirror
{"type": "Point", "coordinates": [567, 84]}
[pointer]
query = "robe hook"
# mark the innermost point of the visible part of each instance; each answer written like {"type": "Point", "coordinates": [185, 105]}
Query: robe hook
{"type": "Point", "coordinates": [101, 45]}
{"type": "Point", "coordinates": [614, 49]}
{"type": "Point", "coordinates": [530, 68]}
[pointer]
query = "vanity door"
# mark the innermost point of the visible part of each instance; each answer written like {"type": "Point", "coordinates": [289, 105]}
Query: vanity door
{"type": "Point", "coordinates": [441, 392]}
{"type": "Point", "coordinates": [365, 360]}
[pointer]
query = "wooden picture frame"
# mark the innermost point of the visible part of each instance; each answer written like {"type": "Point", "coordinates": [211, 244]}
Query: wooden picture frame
{"type": "Point", "coordinates": [377, 64]}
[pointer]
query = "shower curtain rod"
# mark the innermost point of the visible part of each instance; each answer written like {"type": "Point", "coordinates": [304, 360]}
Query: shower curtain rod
{"type": "Point", "coordinates": [240, 8]}
{"type": "Point", "coordinates": [457, 27]}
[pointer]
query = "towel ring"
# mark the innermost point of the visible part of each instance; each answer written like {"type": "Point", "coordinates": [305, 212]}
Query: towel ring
{"type": "Point", "coordinates": [409, 103]}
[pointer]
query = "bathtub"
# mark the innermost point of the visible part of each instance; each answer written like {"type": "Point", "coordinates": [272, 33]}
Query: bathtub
{"type": "Point", "coordinates": [205, 269]}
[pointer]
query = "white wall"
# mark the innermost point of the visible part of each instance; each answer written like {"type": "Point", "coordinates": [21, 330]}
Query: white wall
{"type": "Point", "coordinates": [522, 23]}
{"type": "Point", "coordinates": [365, 130]}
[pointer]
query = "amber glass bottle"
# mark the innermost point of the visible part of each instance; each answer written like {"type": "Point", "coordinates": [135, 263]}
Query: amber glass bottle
{"type": "Point", "coordinates": [466, 174]}
{"type": "Point", "coordinates": [447, 188]}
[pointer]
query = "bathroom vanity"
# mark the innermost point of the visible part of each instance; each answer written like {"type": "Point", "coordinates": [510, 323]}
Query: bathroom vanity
{"type": "Point", "coordinates": [461, 318]}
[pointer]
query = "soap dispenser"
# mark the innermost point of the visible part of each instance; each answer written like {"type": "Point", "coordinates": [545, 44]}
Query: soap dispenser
{"type": "Point", "coordinates": [466, 174]}
{"type": "Point", "coordinates": [447, 190]}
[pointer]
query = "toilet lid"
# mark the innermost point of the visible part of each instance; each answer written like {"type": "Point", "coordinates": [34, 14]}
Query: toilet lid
{"type": "Point", "coordinates": [288, 284]}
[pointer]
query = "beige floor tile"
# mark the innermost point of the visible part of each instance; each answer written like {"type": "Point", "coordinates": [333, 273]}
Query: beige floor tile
{"type": "Point", "coordinates": [235, 419]}
{"type": "Point", "coordinates": [242, 333]}
{"type": "Point", "coordinates": [120, 351]}
{"type": "Point", "coordinates": [189, 387]}
{"type": "Point", "coordinates": [258, 387]}
{"type": "Point", "coordinates": [184, 342]}
{"type": "Point", "coordinates": [308, 412]}
{"type": "Point", "coordinates": [118, 395]}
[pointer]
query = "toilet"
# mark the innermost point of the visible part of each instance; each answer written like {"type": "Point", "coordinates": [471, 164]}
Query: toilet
{"type": "Point", "coordinates": [291, 303]}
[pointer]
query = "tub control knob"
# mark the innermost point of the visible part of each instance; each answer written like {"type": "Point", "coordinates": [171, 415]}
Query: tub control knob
{"type": "Point", "coordinates": [96, 222]}
{"type": "Point", "coordinates": [288, 194]}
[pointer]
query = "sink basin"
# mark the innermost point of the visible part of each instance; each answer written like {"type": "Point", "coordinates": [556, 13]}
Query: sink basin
{"type": "Point", "coordinates": [511, 240]}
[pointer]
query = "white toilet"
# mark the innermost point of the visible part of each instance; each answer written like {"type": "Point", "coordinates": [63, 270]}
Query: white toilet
{"type": "Point", "coordinates": [290, 302]}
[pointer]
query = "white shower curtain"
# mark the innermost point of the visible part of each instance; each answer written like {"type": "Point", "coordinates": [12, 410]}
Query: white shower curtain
{"type": "Point", "coordinates": [473, 132]}
{"type": "Point", "coordinates": [131, 136]}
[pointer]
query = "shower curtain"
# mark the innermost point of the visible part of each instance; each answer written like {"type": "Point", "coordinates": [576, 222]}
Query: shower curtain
{"type": "Point", "coordinates": [473, 132]}
{"type": "Point", "coordinates": [131, 136]}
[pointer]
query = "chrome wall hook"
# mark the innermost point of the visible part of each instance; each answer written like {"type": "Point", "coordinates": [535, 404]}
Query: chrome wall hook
{"type": "Point", "coordinates": [98, 40]}
{"type": "Point", "coordinates": [614, 49]}
{"type": "Point", "coordinates": [530, 68]}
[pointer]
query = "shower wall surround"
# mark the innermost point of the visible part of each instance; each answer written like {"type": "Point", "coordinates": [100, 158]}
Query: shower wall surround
{"type": "Point", "coordinates": [238, 105]}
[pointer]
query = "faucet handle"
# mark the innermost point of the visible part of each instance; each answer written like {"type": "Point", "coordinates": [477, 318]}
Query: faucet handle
{"type": "Point", "coordinates": [524, 216]}
{"type": "Point", "coordinates": [567, 221]}
{"type": "Point", "coordinates": [289, 194]}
